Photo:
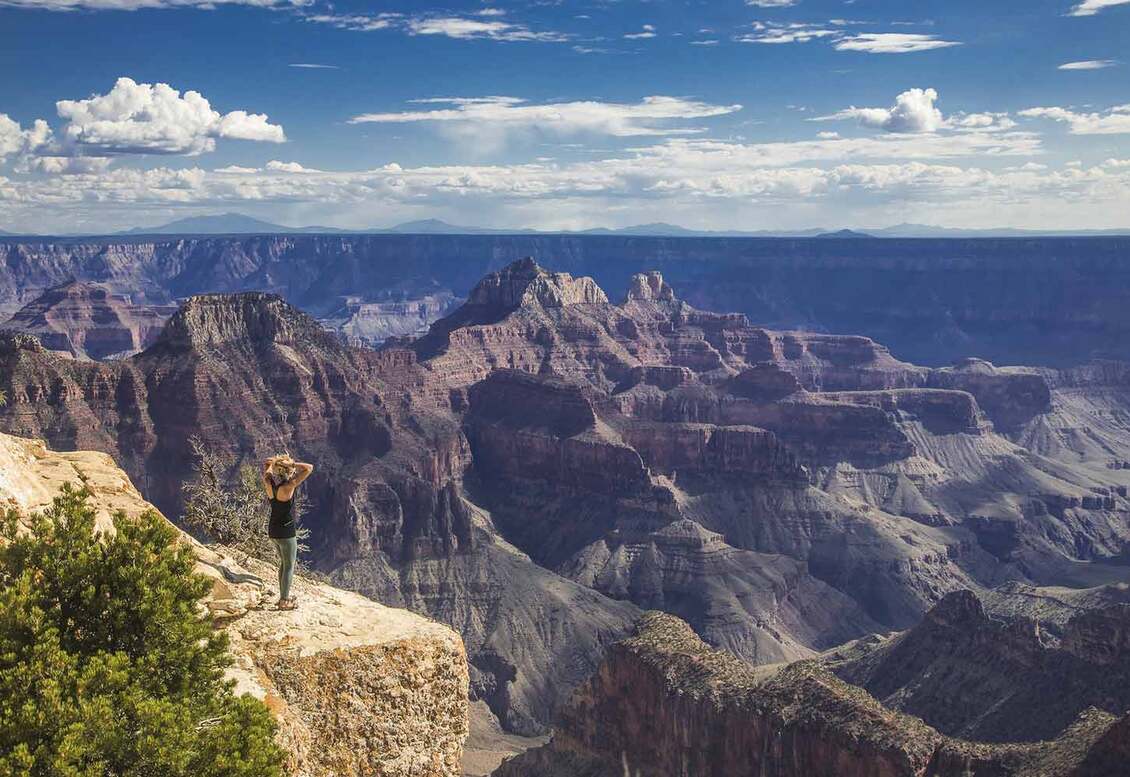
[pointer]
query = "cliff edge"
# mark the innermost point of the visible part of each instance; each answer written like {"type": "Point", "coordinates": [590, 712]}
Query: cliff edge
{"type": "Point", "coordinates": [357, 688]}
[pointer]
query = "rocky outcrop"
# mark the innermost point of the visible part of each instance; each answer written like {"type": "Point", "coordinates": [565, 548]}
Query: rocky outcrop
{"type": "Point", "coordinates": [978, 677]}
{"type": "Point", "coordinates": [663, 704]}
{"type": "Point", "coordinates": [524, 283]}
{"type": "Point", "coordinates": [357, 688]}
{"type": "Point", "coordinates": [87, 321]}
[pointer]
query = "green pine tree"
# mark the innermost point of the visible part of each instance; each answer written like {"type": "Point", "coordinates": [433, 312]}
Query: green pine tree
{"type": "Point", "coordinates": [108, 665]}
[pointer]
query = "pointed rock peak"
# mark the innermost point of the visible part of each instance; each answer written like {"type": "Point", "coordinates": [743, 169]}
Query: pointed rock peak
{"type": "Point", "coordinates": [957, 609]}
{"type": "Point", "coordinates": [524, 283]}
{"type": "Point", "coordinates": [650, 287]}
{"type": "Point", "coordinates": [214, 320]}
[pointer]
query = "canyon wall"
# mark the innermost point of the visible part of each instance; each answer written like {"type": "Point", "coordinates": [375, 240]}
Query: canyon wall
{"type": "Point", "coordinates": [1041, 301]}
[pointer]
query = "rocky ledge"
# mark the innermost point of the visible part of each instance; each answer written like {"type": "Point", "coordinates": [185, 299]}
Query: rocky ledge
{"type": "Point", "coordinates": [357, 688]}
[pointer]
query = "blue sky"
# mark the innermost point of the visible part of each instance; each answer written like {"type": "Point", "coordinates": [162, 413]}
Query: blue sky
{"type": "Point", "coordinates": [727, 114]}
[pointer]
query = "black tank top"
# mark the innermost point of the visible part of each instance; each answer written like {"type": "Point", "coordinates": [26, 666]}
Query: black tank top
{"type": "Point", "coordinates": [281, 525]}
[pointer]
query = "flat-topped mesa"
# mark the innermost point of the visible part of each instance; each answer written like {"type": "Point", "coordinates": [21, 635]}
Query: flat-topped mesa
{"type": "Point", "coordinates": [524, 283]}
{"type": "Point", "coordinates": [214, 320]}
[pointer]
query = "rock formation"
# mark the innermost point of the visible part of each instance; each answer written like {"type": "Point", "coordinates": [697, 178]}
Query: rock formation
{"type": "Point", "coordinates": [544, 463]}
{"type": "Point", "coordinates": [253, 376]}
{"type": "Point", "coordinates": [1043, 301]}
{"type": "Point", "coordinates": [978, 677]}
{"type": "Point", "coordinates": [663, 703]}
{"type": "Point", "coordinates": [86, 320]}
{"type": "Point", "coordinates": [357, 688]}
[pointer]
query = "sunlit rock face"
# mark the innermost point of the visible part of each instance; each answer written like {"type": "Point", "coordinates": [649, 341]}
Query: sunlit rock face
{"type": "Point", "coordinates": [357, 688]}
{"type": "Point", "coordinates": [983, 676]}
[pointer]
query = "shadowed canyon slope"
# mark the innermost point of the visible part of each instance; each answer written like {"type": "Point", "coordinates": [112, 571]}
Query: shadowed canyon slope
{"type": "Point", "coordinates": [664, 703]}
{"type": "Point", "coordinates": [545, 462]}
{"type": "Point", "coordinates": [996, 679]}
{"type": "Point", "coordinates": [1045, 301]}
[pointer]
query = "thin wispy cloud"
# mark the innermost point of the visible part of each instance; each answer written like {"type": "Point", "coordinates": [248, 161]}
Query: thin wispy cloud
{"type": "Point", "coordinates": [1092, 7]}
{"type": "Point", "coordinates": [486, 24]}
{"type": "Point", "coordinates": [775, 33]}
{"type": "Point", "coordinates": [1089, 64]}
{"type": "Point", "coordinates": [313, 66]}
{"type": "Point", "coordinates": [892, 43]}
{"type": "Point", "coordinates": [648, 31]}
{"type": "Point", "coordinates": [134, 5]}
{"type": "Point", "coordinates": [656, 115]}
{"type": "Point", "coordinates": [772, 33]}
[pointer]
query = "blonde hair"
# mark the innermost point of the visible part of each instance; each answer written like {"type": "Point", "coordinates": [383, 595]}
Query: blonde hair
{"type": "Point", "coordinates": [282, 467]}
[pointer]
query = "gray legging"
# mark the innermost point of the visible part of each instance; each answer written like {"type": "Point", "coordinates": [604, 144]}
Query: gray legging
{"type": "Point", "coordinates": [288, 555]}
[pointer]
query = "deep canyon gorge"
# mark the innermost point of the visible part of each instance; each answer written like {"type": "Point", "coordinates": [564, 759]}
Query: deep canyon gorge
{"type": "Point", "coordinates": [694, 506]}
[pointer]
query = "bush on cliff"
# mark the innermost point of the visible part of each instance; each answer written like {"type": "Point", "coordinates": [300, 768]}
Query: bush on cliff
{"type": "Point", "coordinates": [108, 664]}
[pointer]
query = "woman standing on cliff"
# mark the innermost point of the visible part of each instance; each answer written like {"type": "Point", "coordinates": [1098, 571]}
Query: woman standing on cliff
{"type": "Point", "coordinates": [281, 476]}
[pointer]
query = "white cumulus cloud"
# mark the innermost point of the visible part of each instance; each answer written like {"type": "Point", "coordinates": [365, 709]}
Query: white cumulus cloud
{"type": "Point", "coordinates": [914, 111]}
{"type": "Point", "coordinates": [155, 119]}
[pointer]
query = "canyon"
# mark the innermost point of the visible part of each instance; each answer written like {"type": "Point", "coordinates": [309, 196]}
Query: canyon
{"type": "Point", "coordinates": [1038, 301]}
{"type": "Point", "coordinates": [544, 465]}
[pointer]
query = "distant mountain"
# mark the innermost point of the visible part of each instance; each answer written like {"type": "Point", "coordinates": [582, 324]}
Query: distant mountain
{"type": "Point", "coordinates": [218, 224]}
{"type": "Point", "coordinates": [845, 233]}
{"type": "Point", "coordinates": [238, 224]}
{"type": "Point", "coordinates": [926, 230]}
{"type": "Point", "coordinates": [658, 229]}
{"type": "Point", "coordinates": [437, 227]}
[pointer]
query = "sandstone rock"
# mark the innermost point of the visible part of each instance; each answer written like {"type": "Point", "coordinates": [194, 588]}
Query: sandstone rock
{"type": "Point", "coordinates": [357, 688]}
